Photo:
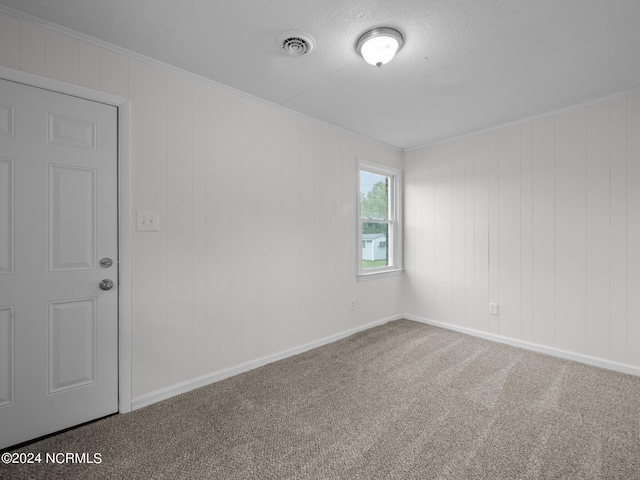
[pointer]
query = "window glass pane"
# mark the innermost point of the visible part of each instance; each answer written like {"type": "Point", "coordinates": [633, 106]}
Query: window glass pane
{"type": "Point", "coordinates": [375, 245]}
{"type": "Point", "coordinates": [374, 196]}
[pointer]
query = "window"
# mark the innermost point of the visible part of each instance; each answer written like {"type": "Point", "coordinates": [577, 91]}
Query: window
{"type": "Point", "coordinates": [379, 220]}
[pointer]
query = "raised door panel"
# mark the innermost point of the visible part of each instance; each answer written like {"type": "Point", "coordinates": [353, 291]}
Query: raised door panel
{"type": "Point", "coordinates": [6, 119]}
{"type": "Point", "coordinates": [72, 132]}
{"type": "Point", "coordinates": [72, 218]}
{"type": "Point", "coordinates": [72, 344]}
{"type": "Point", "coordinates": [6, 216]}
{"type": "Point", "coordinates": [6, 355]}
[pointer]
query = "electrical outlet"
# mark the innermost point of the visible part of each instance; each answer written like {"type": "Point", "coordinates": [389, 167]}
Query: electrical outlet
{"type": "Point", "coordinates": [353, 304]}
{"type": "Point", "coordinates": [147, 221]}
{"type": "Point", "coordinates": [493, 309]}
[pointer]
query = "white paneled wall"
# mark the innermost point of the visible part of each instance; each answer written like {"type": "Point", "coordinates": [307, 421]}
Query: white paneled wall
{"type": "Point", "coordinates": [256, 253]}
{"type": "Point", "coordinates": [541, 217]}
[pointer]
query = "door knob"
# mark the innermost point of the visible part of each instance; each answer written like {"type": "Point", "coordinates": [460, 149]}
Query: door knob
{"type": "Point", "coordinates": [106, 262]}
{"type": "Point", "coordinates": [106, 284]}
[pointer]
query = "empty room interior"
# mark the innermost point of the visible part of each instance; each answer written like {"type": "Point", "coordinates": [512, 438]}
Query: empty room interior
{"type": "Point", "coordinates": [324, 240]}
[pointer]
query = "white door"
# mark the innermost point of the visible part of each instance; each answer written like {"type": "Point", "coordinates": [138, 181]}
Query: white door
{"type": "Point", "coordinates": [58, 219]}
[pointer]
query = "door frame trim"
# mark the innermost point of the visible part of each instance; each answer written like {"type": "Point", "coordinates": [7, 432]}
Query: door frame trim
{"type": "Point", "coordinates": [123, 106]}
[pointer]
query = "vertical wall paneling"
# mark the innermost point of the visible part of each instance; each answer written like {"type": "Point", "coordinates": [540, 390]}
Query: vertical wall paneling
{"type": "Point", "coordinates": [430, 234]}
{"type": "Point", "coordinates": [343, 202]}
{"type": "Point", "coordinates": [222, 341]}
{"type": "Point", "coordinates": [90, 71]}
{"type": "Point", "coordinates": [526, 231]}
{"type": "Point", "coordinates": [494, 226]}
{"type": "Point", "coordinates": [543, 231]}
{"type": "Point", "coordinates": [9, 41]}
{"type": "Point", "coordinates": [412, 291]}
{"type": "Point", "coordinates": [318, 246]}
{"type": "Point", "coordinates": [305, 181]}
{"type": "Point", "coordinates": [546, 220]}
{"type": "Point", "coordinates": [509, 224]}
{"type": "Point", "coordinates": [598, 249]}
{"type": "Point", "coordinates": [62, 60]}
{"type": "Point", "coordinates": [337, 312]}
{"type": "Point", "coordinates": [443, 231]}
{"type": "Point", "coordinates": [481, 230]}
{"type": "Point", "coordinates": [32, 57]}
{"type": "Point", "coordinates": [256, 249]}
{"type": "Point", "coordinates": [411, 185]}
{"type": "Point", "coordinates": [618, 230]}
{"type": "Point", "coordinates": [469, 238]}
{"type": "Point", "coordinates": [252, 343]}
{"type": "Point", "coordinates": [237, 208]}
{"type": "Point", "coordinates": [419, 267]}
{"type": "Point", "coordinates": [426, 222]}
{"type": "Point", "coordinates": [458, 233]}
{"type": "Point", "coordinates": [179, 227]}
{"type": "Point", "coordinates": [115, 72]}
{"type": "Point", "coordinates": [570, 229]}
{"type": "Point", "coordinates": [270, 276]}
{"type": "Point", "coordinates": [266, 224]}
{"type": "Point", "coordinates": [292, 243]}
{"type": "Point", "coordinates": [633, 229]}
{"type": "Point", "coordinates": [278, 161]}
{"type": "Point", "coordinates": [348, 232]}
{"type": "Point", "coordinates": [199, 230]}
{"type": "Point", "coordinates": [308, 260]}
{"type": "Point", "coordinates": [149, 249]}
{"type": "Point", "coordinates": [336, 306]}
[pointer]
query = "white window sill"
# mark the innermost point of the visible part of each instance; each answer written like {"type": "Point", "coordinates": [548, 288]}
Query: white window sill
{"type": "Point", "coordinates": [364, 277]}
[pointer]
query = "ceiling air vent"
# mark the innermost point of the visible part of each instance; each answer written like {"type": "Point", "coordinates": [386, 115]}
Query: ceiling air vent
{"type": "Point", "coordinates": [295, 44]}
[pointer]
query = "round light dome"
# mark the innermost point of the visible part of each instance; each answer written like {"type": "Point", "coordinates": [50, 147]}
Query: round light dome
{"type": "Point", "coordinates": [379, 46]}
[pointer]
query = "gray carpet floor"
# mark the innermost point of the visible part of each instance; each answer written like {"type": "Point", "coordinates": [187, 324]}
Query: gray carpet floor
{"type": "Point", "coordinates": [399, 401]}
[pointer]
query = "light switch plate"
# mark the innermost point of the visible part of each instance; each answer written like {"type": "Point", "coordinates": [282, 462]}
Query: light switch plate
{"type": "Point", "coordinates": [147, 221]}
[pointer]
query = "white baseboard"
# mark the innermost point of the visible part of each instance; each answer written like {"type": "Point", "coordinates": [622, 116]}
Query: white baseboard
{"type": "Point", "coordinates": [191, 384]}
{"type": "Point", "coordinates": [555, 352]}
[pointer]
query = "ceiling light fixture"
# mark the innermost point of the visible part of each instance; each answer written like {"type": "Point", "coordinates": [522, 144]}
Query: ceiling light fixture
{"type": "Point", "coordinates": [379, 46]}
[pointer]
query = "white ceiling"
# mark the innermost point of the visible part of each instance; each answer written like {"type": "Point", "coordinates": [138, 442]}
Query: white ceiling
{"type": "Point", "coordinates": [466, 64]}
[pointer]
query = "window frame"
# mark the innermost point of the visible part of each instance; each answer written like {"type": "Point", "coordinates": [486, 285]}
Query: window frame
{"type": "Point", "coordinates": [394, 221]}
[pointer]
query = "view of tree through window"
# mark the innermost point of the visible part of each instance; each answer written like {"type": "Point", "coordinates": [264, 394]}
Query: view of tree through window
{"type": "Point", "coordinates": [374, 214]}
{"type": "Point", "coordinates": [374, 203]}
{"type": "Point", "coordinates": [379, 220]}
